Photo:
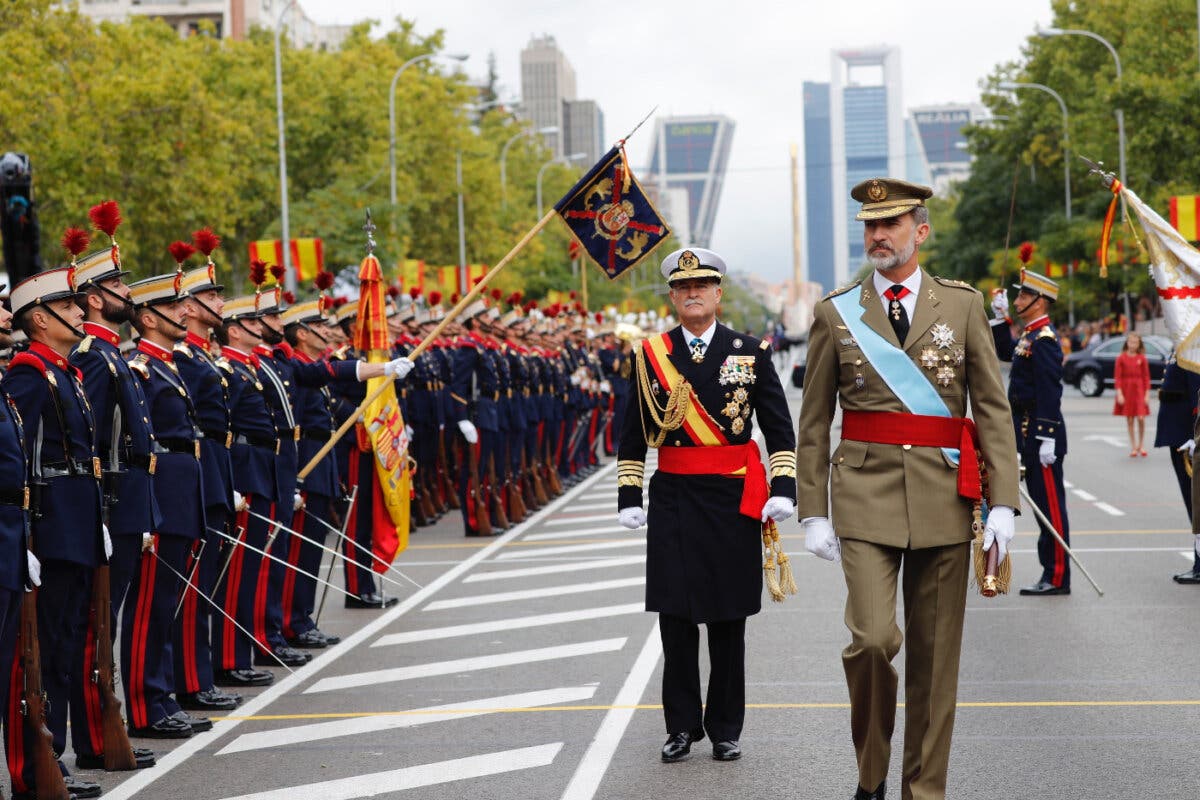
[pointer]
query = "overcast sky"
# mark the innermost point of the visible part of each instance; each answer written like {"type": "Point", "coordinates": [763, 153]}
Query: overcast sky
{"type": "Point", "coordinates": [745, 59]}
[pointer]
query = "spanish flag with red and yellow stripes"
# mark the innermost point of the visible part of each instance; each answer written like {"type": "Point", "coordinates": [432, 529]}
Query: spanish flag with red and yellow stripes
{"type": "Point", "coordinates": [307, 256]}
{"type": "Point", "coordinates": [1185, 213]}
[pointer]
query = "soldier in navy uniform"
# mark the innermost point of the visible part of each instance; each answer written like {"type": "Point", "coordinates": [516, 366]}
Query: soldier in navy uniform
{"type": "Point", "coordinates": [67, 535]}
{"type": "Point", "coordinates": [1035, 394]}
{"type": "Point", "coordinates": [1175, 430]}
{"type": "Point", "coordinates": [476, 390]}
{"type": "Point", "coordinates": [709, 498]}
{"type": "Point", "coordinates": [126, 444]}
{"type": "Point", "coordinates": [150, 630]}
{"type": "Point", "coordinates": [200, 666]}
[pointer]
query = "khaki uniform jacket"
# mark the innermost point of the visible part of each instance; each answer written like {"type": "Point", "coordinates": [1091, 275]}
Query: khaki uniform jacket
{"type": "Point", "coordinates": [889, 494]}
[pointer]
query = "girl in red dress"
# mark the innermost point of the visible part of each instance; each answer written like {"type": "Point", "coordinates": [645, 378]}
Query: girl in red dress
{"type": "Point", "coordinates": [1132, 378]}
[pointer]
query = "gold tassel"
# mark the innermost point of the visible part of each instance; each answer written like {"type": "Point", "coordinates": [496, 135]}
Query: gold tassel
{"type": "Point", "coordinates": [777, 571]}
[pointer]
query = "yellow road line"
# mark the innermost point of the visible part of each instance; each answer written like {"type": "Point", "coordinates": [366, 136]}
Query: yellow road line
{"type": "Point", "coordinates": [768, 706]}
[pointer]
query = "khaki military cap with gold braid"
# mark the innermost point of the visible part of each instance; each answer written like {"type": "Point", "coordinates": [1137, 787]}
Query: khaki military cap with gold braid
{"type": "Point", "coordinates": [888, 197]}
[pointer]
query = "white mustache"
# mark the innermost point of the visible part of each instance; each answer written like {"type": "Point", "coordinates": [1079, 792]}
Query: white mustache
{"type": "Point", "coordinates": [693, 303]}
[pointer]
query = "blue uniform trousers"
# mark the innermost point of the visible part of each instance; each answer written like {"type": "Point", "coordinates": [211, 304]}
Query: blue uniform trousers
{"type": "Point", "coordinates": [300, 591]}
{"type": "Point", "coordinates": [1050, 497]}
{"type": "Point", "coordinates": [194, 627]}
{"type": "Point", "coordinates": [241, 593]}
{"type": "Point", "coordinates": [360, 581]}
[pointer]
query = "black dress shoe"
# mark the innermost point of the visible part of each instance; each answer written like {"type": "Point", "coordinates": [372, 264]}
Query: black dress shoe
{"type": "Point", "coordinates": [211, 700]}
{"type": "Point", "coordinates": [243, 677]}
{"type": "Point", "coordinates": [197, 724]}
{"type": "Point", "coordinates": [678, 745]}
{"type": "Point", "coordinates": [878, 794]}
{"type": "Point", "coordinates": [81, 789]}
{"type": "Point", "coordinates": [330, 638]}
{"type": "Point", "coordinates": [142, 757]}
{"type": "Point", "coordinates": [288, 655]}
{"type": "Point", "coordinates": [726, 751]}
{"type": "Point", "coordinates": [371, 600]}
{"type": "Point", "coordinates": [1045, 588]}
{"type": "Point", "coordinates": [309, 640]}
{"type": "Point", "coordinates": [1191, 576]}
{"type": "Point", "coordinates": [165, 728]}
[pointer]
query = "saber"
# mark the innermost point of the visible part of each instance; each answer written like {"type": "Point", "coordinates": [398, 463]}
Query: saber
{"type": "Point", "coordinates": [329, 572]}
{"type": "Point", "coordinates": [215, 605]}
{"type": "Point", "coordinates": [228, 558]}
{"type": "Point", "coordinates": [391, 567]}
{"type": "Point", "coordinates": [191, 576]}
{"type": "Point", "coordinates": [299, 535]}
{"type": "Point", "coordinates": [281, 561]}
{"type": "Point", "coordinates": [1037, 512]}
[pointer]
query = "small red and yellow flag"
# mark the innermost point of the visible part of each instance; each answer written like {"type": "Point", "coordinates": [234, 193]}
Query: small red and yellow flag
{"type": "Point", "coordinates": [1185, 212]}
{"type": "Point", "coordinates": [307, 256]}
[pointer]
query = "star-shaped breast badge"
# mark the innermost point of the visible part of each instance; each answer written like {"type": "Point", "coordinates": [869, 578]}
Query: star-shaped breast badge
{"type": "Point", "coordinates": [943, 337]}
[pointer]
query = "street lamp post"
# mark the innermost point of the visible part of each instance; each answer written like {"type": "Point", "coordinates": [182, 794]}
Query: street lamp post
{"type": "Point", "coordinates": [392, 109]}
{"type": "Point", "coordinates": [289, 280]}
{"type": "Point", "coordinates": [549, 129]}
{"type": "Point", "coordinates": [1046, 32]}
{"type": "Point", "coordinates": [566, 160]}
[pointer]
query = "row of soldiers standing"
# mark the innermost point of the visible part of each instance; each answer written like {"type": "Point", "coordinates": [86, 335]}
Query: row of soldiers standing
{"type": "Point", "coordinates": [159, 486]}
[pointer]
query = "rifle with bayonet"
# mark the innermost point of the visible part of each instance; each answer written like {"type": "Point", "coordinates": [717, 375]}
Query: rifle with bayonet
{"type": "Point", "coordinates": [35, 707]}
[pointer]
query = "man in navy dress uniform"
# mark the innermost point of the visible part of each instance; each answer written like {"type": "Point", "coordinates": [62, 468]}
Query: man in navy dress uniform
{"type": "Point", "coordinates": [67, 535]}
{"type": "Point", "coordinates": [1035, 394]}
{"type": "Point", "coordinates": [1175, 430]}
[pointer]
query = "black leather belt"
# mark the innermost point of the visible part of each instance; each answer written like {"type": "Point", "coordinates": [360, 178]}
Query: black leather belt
{"type": "Point", "coordinates": [219, 436]}
{"type": "Point", "coordinates": [317, 435]}
{"type": "Point", "coordinates": [15, 497]}
{"type": "Point", "coordinates": [81, 469]}
{"type": "Point", "coordinates": [189, 447]}
{"type": "Point", "coordinates": [145, 461]}
{"type": "Point", "coordinates": [258, 441]}
{"type": "Point", "coordinates": [289, 433]}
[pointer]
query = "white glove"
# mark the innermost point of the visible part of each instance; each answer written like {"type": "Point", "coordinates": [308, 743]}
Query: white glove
{"type": "Point", "coordinates": [297, 501]}
{"type": "Point", "coordinates": [239, 502]}
{"type": "Point", "coordinates": [468, 431]}
{"type": "Point", "coordinates": [107, 541]}
{"type": "Point", "coordinates": [398, 368]}
{"type": "Point", "coordinates": [575, 380]}
{"type": "Point", "coordinates": [1000, 528]}
{"type": "Point", "coordinates": [632, 517]}
{"type": "Point", "coordinates": [408, 431]}
{"type": "Point", "coordinates": [1188, 447]}
{"type": "Point", "coordinates": [35, 568]}
{"type": "Point", "coordinates": [778, 509]}
{"type": "Point", "coordinates": [1046, 453]}
{"type": "Point", "coordinates": [1000, 305]}
{"type": "Point", "coordinates": [605, 387]}
{"type": "Point", "coordinates": [148, 542]}
{"type": "Point", "coordinates": [820, 540]}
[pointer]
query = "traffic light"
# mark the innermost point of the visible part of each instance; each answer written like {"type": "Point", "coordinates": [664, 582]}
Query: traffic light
{"type": "Point", "coordinates": [18, 218]}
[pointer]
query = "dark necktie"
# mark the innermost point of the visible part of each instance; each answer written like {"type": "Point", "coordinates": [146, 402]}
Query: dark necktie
{"type": "Point", "coordinates": [896, 313]}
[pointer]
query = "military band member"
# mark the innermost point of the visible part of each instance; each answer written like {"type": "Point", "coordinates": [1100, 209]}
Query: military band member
{"type": "Point", "coordinates": [708, 499]}
{"type": "Point", "coordinates": [1035, 394]}
{"type": "Point", "coordinates": [903, 352]}
{"type": "Point", "coordinates": [67, 535]}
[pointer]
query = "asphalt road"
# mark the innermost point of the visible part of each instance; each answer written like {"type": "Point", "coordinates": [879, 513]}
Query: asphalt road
{"type": "Point", "coordinates": [525, 668]}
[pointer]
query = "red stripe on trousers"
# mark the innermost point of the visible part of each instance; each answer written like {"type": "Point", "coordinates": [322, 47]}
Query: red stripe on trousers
{"type": "Point", "coordinates": [190, 680]}
{"type": "Point", "coordinates": [14, 726]}
{"type": "Point", "coordinates": [233, 584]}
{"type": "Point", "coordinates": [289, 579]}
{"type": "Point", "coordinates": [260, 594]}
{"type": "Point", "coordinates": [1060, 561]}
{"type": "Point", "coordinates": [91, 692]}
{"type": "Point", "coordinates": [138, 713]}
{"type": "Point", "coordinates": [351, 527]}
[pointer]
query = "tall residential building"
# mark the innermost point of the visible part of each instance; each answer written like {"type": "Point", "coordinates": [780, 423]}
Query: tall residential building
{"type": "Point", "coordinates": [692, 153]}
{"type": "Point", "coordinates": [232, 19]}
{"type": "Point", "coordinates": [942, 131]}
{"type": "Point", "coordinates": [585, 130]}
{"type": "Point", "coordinates": [547, 83]}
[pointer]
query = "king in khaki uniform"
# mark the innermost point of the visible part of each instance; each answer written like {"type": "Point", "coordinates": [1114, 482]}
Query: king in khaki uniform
{"type": "Point", "coordinates": [904, 353]}
{"type": "Point", "coordinates": [696, 387]}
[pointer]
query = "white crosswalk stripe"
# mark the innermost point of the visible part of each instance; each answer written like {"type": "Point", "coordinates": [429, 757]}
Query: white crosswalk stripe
{"type": "Point", "coordinates": [511, 624]}
{"type": "Point", "coordinates": [552, 569]}
{"type": "Point", "coordinates": [547, 537]}
{"type": "Point", "coordinates": [532, 594]}
{"type": "Point", "coordinates": [537, 552]}
{"type": "Point", "coordinates": [576, 520]}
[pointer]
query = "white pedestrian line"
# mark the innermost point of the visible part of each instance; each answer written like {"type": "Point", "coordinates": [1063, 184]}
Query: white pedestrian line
{"type": "Point", "coordinates": [1068, 485]}
{"type": "Point", "coordinates": [1107, 509]}
{"type": "Point", "coordinates": [593, 506]}
{"type": "Point", "coordinates": [436, 668]}
{"type": "Point", "coordinates": [534, 552]}
{"type": "Point", "coordinates": [559, 520]}
{"type": "Point", "coordinates": [511, 624]}
{"type": "Point", "coordinates": [320, 731]}
{"type": "Point", "coordinates": [551, 569]}
{"type": "Point", "coordinates": [397, 780]}
{"type": "Point", "coordinates": [533, 594]}
{"type": "Point", "coordinates": [599, 755]}
{"type": "Point", "coordinates": [1113, 441]}
{"type": "Point", "coordinates": [1082, 495]}
{"type": "Point", "coordinates": [545, 537]}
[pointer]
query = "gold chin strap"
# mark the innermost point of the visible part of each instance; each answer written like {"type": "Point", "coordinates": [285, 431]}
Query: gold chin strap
{"type": "Point", "coordinates": [679, 398]}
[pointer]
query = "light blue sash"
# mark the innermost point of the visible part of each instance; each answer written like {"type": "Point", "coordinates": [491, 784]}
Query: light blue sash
{"type": "Point", "coordinates": [898, 371]}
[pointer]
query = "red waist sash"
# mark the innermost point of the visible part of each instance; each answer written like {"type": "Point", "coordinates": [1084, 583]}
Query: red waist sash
{"type": "Point", "coordinates": [722, 461]}
{"type": "Point", "coordinates": [894, 427]}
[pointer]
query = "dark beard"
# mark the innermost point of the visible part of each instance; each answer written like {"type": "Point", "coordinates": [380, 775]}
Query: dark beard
{"type": "Point", "coordinates": [270, 335]}
{"type": "Point", "coordinates": [115, 314]}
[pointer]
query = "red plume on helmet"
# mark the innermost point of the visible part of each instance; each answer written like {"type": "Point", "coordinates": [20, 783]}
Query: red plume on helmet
{"type": "Point", "coordinates": [393, 291]}
{"type": "Point", "coordinates": [106, 217]}
{"type": "Point", "coordinates": [258, 272]}
{"type": "Point", "coordinates": [514, 299]}
{"type": "Point", "coordinates": [414, 292]}
{"type": "Point", "coordinates": [497, 294]}
{"type": "Point", "coordinates": [599, 318]}
{"type": "Point", "coordinates": [338, 302]}
{"type": "Point", "coordinates": [1025, 252]}
{"type": "Point", "coordinates": [206, 241]}
{"type": "Point", "coordinates": [289, 298]}
{"type": "Point", "coordinates": [181, 252]}
{"type": "Point", "coordinates": [323, 280]}
{"type": "Point", "coordinates": [531, 305]}
{"type": "Point", "coordinates": [580, 309]}
{"type": "Point", "coordinates": [75, 241]}
{"type": "Point", "coordinates": [573, 295]}
{"type": "Point", "coordinates": [277, 271]}
{"type": "Point", "coordinates": [454, 298]}
{"type": "Point", "coordinates": [435, 297]}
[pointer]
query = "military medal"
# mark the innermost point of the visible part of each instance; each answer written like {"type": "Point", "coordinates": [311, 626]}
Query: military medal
{"type": "Point", "coordinates": [929, 358]}
{"type": "Point", "coordinates": [943, 337]}
{"type": "Point", "coordinates": [738, 426]}
{"type": "Point", "coordinates": [859, 381]}
{"type": "Point", "coordinates": [945, 375]}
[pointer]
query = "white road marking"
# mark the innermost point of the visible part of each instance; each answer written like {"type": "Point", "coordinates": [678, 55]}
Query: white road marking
{"type": "Point", "coordinates": [319, 731]}
{"type": "Point", "coordinates": [436, 668]}
{"type": "Point", "coordinates": [577, 566]}
{"type": "Point", "coordinates": [546, 537]}
{"type": "Point", "coordinates": [599, 755]}
{"type": "Point", "coordinates": [593, 506]}
{"type": "Point", "coordinates": [397, 780]}
{"type": "Point", "coordinates": [1082, 495]}
{"type": "Point", "coordinates": [1114, 441]}
{"type": "Point", "coordinates": [561, 520]}
{"type": "Point", "coordinates": [1107, 509]}
{"type": "Point", "coordinates": [1067, 484]}
{"type": "Point", "coordinates": [511, 624]}
{"type": "Point", "coordinates": [535, 552]}
{"type": "Point", "coordinates": [1188, 554]}
{"type": "Point", "coordinates": [533, 594]}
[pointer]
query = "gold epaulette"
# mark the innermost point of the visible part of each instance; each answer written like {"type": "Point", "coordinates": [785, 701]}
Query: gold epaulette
{"type": "Point", "coordinates": [764, 345]}
{"type": "Point", "coordinates": [783, 464]}
{"type": "Point", "coordinates": [1047, 333]}
{"type": "Point", "coordinates": [630, 472]}
{"type": "Point", "coordinates": [955, 283]}
{"type": "Point", "coordinates": [85, 344]}
{"type": "Point", "coordinates": [223, 363]}
{"type": "Point", "coordinates": [138, 365]}
{"type": "Point", "coordinates": [182, 349]}
{"type": "Point", "coordinates": [841, 290]}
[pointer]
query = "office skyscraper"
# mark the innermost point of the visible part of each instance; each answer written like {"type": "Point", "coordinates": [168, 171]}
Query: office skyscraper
{"type": "Point", "coordinates": [547, 81]}
{"type": "Point", "coordinates": [944, 142]}
{"type": "Point", "coordinates": [818, 186]}
{"type": "Point", "coordinates": [692, 153]}
{"type": "Point", "coordinates": [585, 130]}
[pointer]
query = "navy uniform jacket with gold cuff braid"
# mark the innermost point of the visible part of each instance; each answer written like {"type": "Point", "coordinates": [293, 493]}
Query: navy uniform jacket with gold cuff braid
{"type": "Point", "coordinates": [1034, 384]}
